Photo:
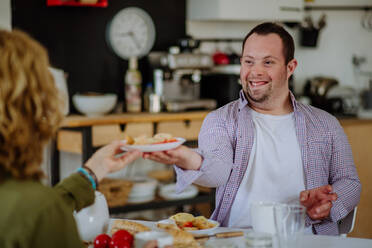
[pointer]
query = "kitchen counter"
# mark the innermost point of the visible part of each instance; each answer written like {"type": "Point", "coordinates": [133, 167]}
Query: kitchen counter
{"type": "Point", "coordinates": [79, 120]}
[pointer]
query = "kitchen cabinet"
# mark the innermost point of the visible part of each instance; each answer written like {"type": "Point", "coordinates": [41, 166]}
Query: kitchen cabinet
{"type": "Point", "coordinates": [244, 10]}
{"type": "Point", "coordinates": [83, 135]}
{"type": "Point", "coordinates": [359, 133]}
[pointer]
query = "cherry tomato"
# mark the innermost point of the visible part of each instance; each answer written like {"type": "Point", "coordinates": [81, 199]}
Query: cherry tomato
{"type": "Point", "coordinates": [188, 224]}
{"type": "Point", "coordinates": [119, 244]}
{"type": "Point", "coordinates": [102, 241]}
{"type": "Point", "coordinates": [123, 236]}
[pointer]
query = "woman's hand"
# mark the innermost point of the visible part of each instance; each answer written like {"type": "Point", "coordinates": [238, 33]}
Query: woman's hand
{"type": "Point", "coordinates": [181, 156]}
{"type": "Point", "coordinates": [106, 159]}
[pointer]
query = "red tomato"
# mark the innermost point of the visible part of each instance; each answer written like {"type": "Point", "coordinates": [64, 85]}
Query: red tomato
{"type": "Point", "coordinates": [188, 224]}
{"type": "Point", "coordinates": [119, 244]}
{"type": "Point", "coordinates": [123, 236]}
{"type": "Point", "coordinates": [102, 241]}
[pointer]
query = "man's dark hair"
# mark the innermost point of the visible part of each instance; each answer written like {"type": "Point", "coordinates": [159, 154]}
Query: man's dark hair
{"type": "Point", "coordinates": [273, 28]}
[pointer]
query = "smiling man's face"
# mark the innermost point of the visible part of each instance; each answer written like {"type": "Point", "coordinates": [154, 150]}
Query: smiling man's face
{"type": "Point", "coordinates": [264, 73]}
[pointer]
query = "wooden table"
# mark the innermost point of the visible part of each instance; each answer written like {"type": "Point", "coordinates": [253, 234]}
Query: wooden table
{"type": "Point", "coordinates": [307, 241]}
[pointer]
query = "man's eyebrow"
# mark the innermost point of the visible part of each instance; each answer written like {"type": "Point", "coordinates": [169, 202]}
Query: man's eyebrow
{"type": "Point", "coordinates": [266, 57]}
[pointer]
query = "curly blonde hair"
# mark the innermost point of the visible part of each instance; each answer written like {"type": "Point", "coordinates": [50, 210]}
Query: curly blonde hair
{"type": "Point", "coordinates": [30, 105]}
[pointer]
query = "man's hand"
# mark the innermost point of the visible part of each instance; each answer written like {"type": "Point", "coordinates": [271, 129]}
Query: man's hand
{"type": "Point", "coordinates": [318, 201]}
{"type": "Point", "coordinates": [181, 156]}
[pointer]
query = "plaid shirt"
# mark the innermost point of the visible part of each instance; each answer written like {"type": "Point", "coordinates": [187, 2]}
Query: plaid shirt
{"type": "Point", "coordinates": [225, 143]}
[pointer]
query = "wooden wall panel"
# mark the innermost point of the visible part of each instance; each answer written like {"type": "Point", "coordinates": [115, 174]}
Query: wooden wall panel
{"type": "Point", "coordinates": [360, 138]}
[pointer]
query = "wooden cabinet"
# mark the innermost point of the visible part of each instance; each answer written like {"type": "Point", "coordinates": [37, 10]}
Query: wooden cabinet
{"type": "Point", "coordinates": [103, 130]}
{"type": "Point", "coordinates": [359, 133]}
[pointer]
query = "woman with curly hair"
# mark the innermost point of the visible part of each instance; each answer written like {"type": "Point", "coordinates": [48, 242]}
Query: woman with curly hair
{"type": "Point", "coordinates": [31, 214]}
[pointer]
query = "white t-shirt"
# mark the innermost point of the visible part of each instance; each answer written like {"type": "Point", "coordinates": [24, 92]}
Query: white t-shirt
{"type": "Point", "coordinates": [275, 172]}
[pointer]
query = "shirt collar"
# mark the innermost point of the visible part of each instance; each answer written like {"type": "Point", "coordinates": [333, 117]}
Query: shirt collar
{"type": "Point", "coordinates": [243, 101]}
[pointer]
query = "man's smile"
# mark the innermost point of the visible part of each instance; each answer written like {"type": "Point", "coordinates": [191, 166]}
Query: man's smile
{"type": "Point", "coordinates": [254, 84]}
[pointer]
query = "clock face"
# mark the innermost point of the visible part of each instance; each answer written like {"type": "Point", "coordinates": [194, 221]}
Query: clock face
{"type": "Point", "coordinates": [131, 33]}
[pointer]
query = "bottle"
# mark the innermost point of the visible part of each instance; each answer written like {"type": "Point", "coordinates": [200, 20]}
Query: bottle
{"type": "Point", "coordinates": [158, 82]}
{"type": "Point", "coordinates": [146, 97]}
{"type": "Point", "coordinates": [133, 80]}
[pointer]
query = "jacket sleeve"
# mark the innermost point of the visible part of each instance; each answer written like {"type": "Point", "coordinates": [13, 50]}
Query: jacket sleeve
{"type": "Point", "coordinates": [216, 150]}
{"type": "Point", "coordinates": [76, 191]}
{"type": "Point", "coordinates": [55, 227]}
{"type": "Point", "coordinates": [343, 176]}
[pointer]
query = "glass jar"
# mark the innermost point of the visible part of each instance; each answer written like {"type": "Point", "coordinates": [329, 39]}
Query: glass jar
{"type": "Point", "coordinates": [258, 240]}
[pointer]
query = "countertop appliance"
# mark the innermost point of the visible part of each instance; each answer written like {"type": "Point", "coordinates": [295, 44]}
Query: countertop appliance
{"type": "Point", "coordinates": [326, 93]}
{"type": "Point", "coordinates": [221, 83]}
{"type": "Point", "coordinates": [182, 76]}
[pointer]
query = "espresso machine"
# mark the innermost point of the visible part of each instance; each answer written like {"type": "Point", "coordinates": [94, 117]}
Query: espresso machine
{"type": "Point", "coordinates": [182, 73]}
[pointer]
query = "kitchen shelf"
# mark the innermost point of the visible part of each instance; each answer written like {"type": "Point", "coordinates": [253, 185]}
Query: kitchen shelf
{"type": "Point", "coordinates": [161, 203]}
{"type": "Point", "coordinates": [366, 8]}
{"type": "Point", "coordinates": [76, 3]}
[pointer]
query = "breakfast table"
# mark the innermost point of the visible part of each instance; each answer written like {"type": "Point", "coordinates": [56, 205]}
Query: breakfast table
{"type": "Point", "coordinates": [307, 241]}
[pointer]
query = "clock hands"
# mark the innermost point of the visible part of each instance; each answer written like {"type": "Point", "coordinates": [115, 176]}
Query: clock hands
{"type": "Point", "coordinates": [133, 38]}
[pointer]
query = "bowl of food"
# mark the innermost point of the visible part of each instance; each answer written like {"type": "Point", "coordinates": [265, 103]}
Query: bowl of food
{"type": "Point", "coordinates": [94, 104]}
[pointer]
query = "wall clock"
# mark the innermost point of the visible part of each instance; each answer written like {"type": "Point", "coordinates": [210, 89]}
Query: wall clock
{"type": "Point", "coordinates": [131, 33]}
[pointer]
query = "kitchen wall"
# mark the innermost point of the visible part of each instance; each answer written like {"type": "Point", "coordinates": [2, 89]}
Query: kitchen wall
{"type": "Point", "coordinates": [339, 40]}
{"type": "Point", "coordinates": [76, 39]}
{"type": "Point", "coordinates": [5, 14]}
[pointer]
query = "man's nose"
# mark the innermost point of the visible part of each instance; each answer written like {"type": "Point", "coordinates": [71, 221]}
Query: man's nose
{"type": "Point", "coordinates": [257, 70]}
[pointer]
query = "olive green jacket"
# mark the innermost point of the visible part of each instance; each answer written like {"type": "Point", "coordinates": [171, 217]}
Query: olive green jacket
{"type": "Point", "coordinates": [35, 216]}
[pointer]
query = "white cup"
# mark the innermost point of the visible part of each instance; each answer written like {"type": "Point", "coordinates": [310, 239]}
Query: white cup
{"type": "Point", "coordinates": [163, 239]}
{"type": "Point", "coordinates": [262, 217]}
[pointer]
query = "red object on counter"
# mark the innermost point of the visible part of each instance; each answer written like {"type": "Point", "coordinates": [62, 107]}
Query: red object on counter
{"type": "Point", "coordinates": [100, 3]}
{"type": "Point", "coordinates": [220, 58]}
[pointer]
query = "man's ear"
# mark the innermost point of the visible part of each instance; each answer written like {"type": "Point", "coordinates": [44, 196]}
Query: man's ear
{"type": "Point", "coordinates": [291, 66]}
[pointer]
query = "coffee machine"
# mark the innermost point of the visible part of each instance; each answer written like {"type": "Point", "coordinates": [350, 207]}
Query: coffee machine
{"type": "Point", "coordinates": [181, 81]}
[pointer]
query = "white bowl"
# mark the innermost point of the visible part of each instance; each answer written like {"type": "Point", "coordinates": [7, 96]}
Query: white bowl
{"type": "Point", "coordinates": [94, 105]}
{"type": "Point", "coordinates": [143, 190]}
{"type": "Point", "coordinates": [169, 192]}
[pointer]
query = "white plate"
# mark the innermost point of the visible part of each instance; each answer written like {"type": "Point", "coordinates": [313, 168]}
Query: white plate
{"type": "Point", "coordinates": [203, 231]}
{"type": "Point", "coordinates": [154, 147]}
{"type": "Point", "coordinates": [168, 192]}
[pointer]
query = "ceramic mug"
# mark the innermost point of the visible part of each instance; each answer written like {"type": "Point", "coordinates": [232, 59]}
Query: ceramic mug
{"type": "Point", "coordinates": [94, 219]}
{"type": "Point", "coordinates": [163, 239]}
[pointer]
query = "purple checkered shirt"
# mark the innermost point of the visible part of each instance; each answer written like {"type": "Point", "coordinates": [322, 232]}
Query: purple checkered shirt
{"type": "Point", "coordinates": [225, 143]}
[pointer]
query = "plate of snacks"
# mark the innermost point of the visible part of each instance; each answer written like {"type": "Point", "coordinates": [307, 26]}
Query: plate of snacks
{"type": "Point", "coordinates": [187, 222]}
{"type": "Point", "coordinates": [159, 142]}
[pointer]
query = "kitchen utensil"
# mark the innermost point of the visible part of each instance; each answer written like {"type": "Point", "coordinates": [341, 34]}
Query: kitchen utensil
{"type": "Point", "coordinates": [220, 235]}
{"type": "Point", "coordinates": [188, 44]}
{"type": "Point", "coordinates": [319, 86]}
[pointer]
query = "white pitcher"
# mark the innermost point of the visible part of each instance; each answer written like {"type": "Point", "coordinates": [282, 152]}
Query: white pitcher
{"type": "Point", "coordinates": [94, 219]}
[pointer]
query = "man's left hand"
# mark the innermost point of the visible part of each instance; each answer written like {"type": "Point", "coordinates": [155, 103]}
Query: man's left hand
{"type": "Point", "coordinates": [318, 201]}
